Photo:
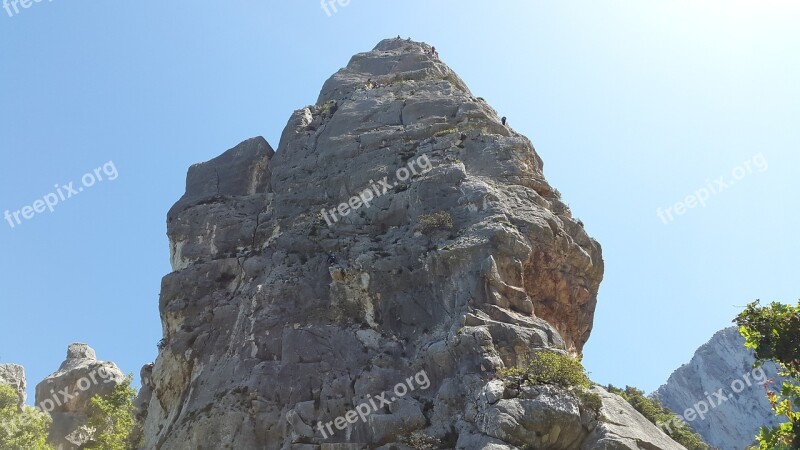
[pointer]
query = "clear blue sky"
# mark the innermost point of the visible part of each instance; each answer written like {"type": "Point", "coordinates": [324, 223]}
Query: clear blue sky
{"type": "Point", "coordinates": [632, 105]}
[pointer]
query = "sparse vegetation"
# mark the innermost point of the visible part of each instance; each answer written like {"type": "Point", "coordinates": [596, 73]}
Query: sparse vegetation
{"type": "Point", "coordinates": [455, 82]}
{"type": "Point", "coordinates": [441, 220]}
{"type": "Point", "coordinates": [662, 417]}
{"type": "Point", "coordinates": [445, 132]}
{"type": "Point", "coordinates": [589, 399]}
{"type": "Point", "coordinates": [325, 107]}
{"type": "Point", "coordinates": [398, 78]}
{"type": "Point", "coordinates": [504, 220]}
{"type": "Point", "coordinates": [446, 247]}
{"type": "Point", "coordinates": [419, 441]}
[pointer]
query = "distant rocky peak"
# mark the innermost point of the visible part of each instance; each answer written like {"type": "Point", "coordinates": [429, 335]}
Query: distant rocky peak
{"type": "Point", "coordinates": [391, 61]}
{"type": "Point", "coordinates": [720, 394]}
{"type": "Point", "coordinates": [78, 353]}
{"type": "Point", "coordinates": [14, 375]}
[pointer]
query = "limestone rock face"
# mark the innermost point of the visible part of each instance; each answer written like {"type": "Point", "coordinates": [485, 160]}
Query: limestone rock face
{"type": "Point", "coordinates": [547, 417]}
{"type": "Point", "coordinates": [723, 366]}
{"type": "Point", "coordinates": [623, 428]}
{"type": "Point", "coordinates": [14, 375]}
{"type": "Point", "coordinates": [400, 237]}
{"type": "Point", "coordinates": [65, 394]}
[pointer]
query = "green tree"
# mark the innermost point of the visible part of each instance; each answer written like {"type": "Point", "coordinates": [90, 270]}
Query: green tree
{"type": "Point", "coordinates": [661, 416]}
{"type": "Point", "coordinates": [24, 429]}
{"type": "Point", "coordinates": [773, 332]}
{"type": "Point", "coordinates": [113, 418]}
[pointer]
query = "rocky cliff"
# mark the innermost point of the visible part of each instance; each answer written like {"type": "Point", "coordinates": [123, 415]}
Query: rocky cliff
{"type": "Point", "coordinates": [724, 396]}
{"type": "Point", "coordinates": [360, 286]}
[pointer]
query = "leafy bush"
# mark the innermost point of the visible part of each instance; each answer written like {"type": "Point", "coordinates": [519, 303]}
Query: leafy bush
{"type": "Point", "coordinates": [774, 333]}
{"type": "Point", "coordinates": [437, 221]}
{"type": "Point", "coordinates": [548, 367]}
{"type": "Point", "coordinates": [662, 417]}
{"type": "Point", "coordinates": [325, 107]}
{"type": "Point", "coordinates": [21, 430]}
{"type": "Point", "coordinates": [589, 400]}
{"type": "Point", "coordinates": [113, 418]}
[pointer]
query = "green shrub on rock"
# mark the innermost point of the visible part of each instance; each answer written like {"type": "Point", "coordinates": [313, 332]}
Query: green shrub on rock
{"type": "Point", "coordinates": [437, 221]}
{"type": "Point", "coordinates": [546, 367]}
{"type": "Point", "coordinates": [589, 400]}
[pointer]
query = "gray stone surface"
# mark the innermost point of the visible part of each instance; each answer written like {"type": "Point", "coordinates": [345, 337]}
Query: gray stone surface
{"type": "Point", "coordinates": [623, 428]}
{"type": "Point", "coordinates": [541, 416]}
{"type": "Point", "coordinates": [14, 375]}
{"type": "Point", "coordinates": [718, 364]}
{"type": "Point", "coordinates": [66, 394]}
{"type": "Point", "coordinates": [266, 336]}
{"type": "Point", "coordinates": [548, 417]}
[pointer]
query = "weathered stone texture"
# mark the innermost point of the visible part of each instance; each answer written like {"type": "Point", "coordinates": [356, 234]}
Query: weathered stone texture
{"type": "Point", "coordinates": [279, 316]}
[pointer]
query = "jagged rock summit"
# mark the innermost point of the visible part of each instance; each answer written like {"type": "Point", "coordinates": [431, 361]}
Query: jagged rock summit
{"type": "Point", "coordinates": [721, 378]}
{"type": "Point", "coordinates": [66, 394]}
{"type": "Point", "coordinates": [399, 247]}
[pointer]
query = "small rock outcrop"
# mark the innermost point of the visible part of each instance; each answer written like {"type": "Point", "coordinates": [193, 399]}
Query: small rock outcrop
{"type": "Point", "coordinates": [145, 394]}
{"type": "Point", "coordinates": [548, 417]}
{"type": "Point", "coordinates": [14, 375]}
{"type": "Point", "coordinates": [399, 247]}
{"type": "Point", "coordinates": [720, 395]}
{"type": "Point", "coordinates": [65, 394]}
